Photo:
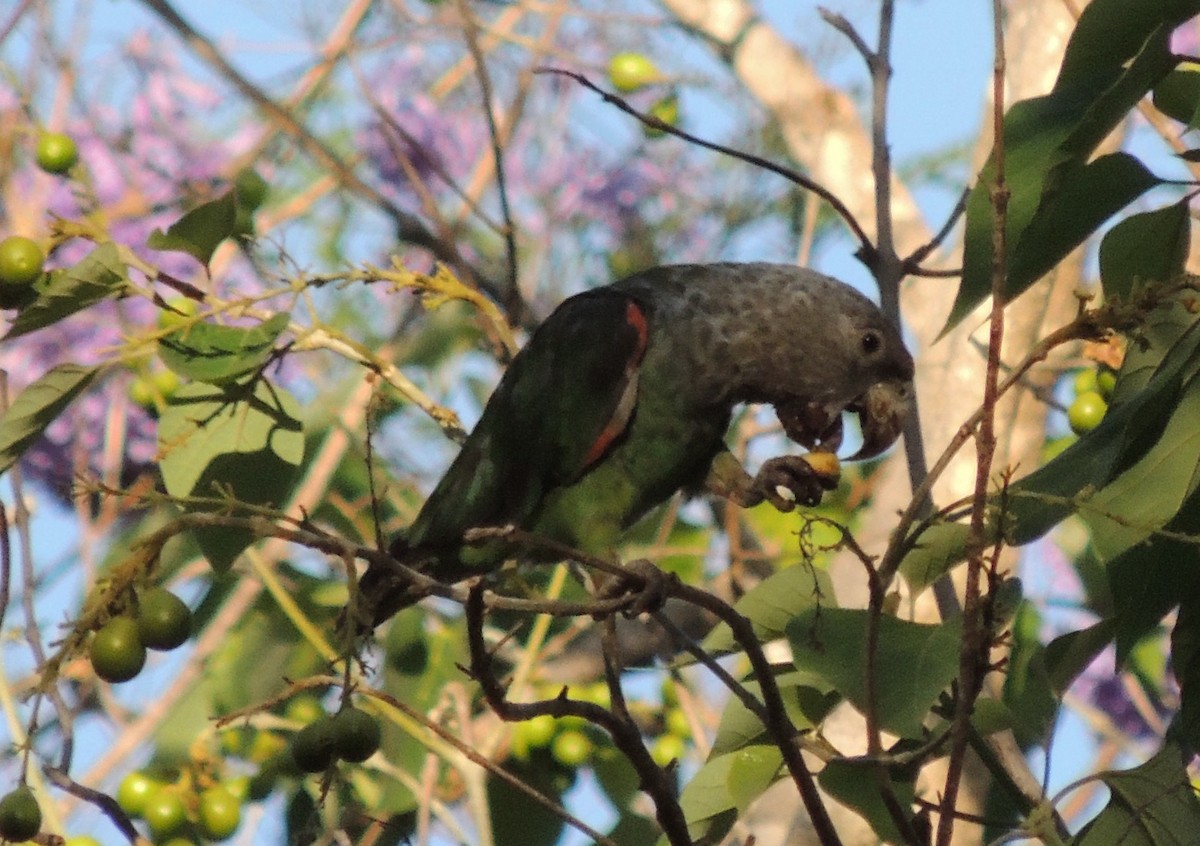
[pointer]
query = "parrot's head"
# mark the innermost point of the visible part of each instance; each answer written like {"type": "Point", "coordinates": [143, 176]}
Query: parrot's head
{"type": "Point", "coordinates": [867, 370]}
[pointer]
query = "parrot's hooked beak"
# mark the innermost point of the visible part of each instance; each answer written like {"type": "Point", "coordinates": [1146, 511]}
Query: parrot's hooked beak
{"type": "Point", "coordinates": [881, 409]}
{"type": "Point", "coordinates": [881, 412]}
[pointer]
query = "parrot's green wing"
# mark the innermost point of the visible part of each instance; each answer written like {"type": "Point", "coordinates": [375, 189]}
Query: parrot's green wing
{"type": "Point", "coordinates": [566, 398]}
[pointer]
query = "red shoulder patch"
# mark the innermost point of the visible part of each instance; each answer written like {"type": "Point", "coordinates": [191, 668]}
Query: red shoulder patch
{"type": "Point", "coordinates": [635, 318]}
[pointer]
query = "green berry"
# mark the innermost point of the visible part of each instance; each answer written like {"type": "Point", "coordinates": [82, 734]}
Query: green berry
{"type": "Point", "coordinates": [630, 72]}
{"type": "Point", "coordinates": [1085, 380]}
{"type": "Point", "coordinates": [81, 840]}
{"type": "Point", "coordinates": [314, 746]}
{"type": "Point", "coordinates": [133, 791]}
{"type": "Point", "coordinates": [677, 723]}
{"type": "Point", "coordinates": [163, 619]}
{"type": "Point", "coordinates": [356, 735]}
{"type": "Point", "coordinates": [666, 110]}
{"type": "Point", "coordinates": [164, 811]}
{"type": "Point", "coordinates": [1106, 382]}
{"type": "Point", "coordinates": [21, 261]}
{"type": "Point", "coordinates": [538, 732]}
{"type": "Point", "coordinates": [56, 152]}
{"type": "Point", "coordinates": [251, 188]}
{"type": "Point", "coordinates": [117, 653]}
{"type": "Point", "coordinates": [220, 813]}
{"type": "Point", "coordinates": [571, 748]}
{"type": "Point", "coordinates": [20, 816]}
{"type": "Point", "coordinates": [667, 748]}
{"type": "Point", "coordinates": [1086, 412]}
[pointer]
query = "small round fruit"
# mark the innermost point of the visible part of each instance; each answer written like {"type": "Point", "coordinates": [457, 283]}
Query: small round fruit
{"type": "Point", "coordinates": [1106, 382]}
{"type": "Point", "coordinates": [1086, 412]}
{"type": "Point", "coordinates": [251, 188]}
{"type": "Point", "coordinates": [537, 732]}
{"type": "Point", "coordinates": [1085, 380]}
{"type": "Point", "coordinates": [164, 811]}
{"type": "Point", "coordinates": [666, 110]}
{"type": "Point", "coordinates": [571, 748]}
{"type": "Point", "coordinates": [356, 735]}
{"type": "Point", "coordinates": [239, 786]}
{"type": "Point", "coordinates": [632, 71]}
{"type": "Point", "coordinates": [21, 261]}
{"type": "Point", "coordinates": [220, 813]}
{"type": "Point", "coordinates": [133, 791]}
{"type": "Point", "coordinates": [56, 152]}
{"type": "Point", "coordinates": [117, 653]}
{"type": "Point", "coordinates": [263, 746]}
{"type": "Point", "coordinates": [163, 620]}
{"type": "Point", "coordinates": [677, 723]}
{"type": "Point", "coordinates": [20, 816]}
{"type": "Point", "coordinates": [667, 748]}
{"type": "Point", "coordinates": [314, 746]}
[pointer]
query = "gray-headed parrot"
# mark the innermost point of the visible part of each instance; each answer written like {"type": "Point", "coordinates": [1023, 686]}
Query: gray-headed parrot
{"type": "Point", "coordinates": [624, 394]}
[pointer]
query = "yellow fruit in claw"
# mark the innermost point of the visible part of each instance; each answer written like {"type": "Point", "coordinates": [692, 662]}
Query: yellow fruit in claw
{"type": "Point", "coordinates": [824, 464]}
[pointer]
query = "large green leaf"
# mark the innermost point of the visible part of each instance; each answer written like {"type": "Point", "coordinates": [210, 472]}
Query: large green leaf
{"type": "Point", "coordinates": [1057, 195]}
{"type": "Point", "coordinates": [774, 601]}
{"type": "Point", "coordinates": [858, 787]}
{"type": "Point", "coordinates": [1177, 95]}
{"type": "Point", "coordinates": [914, 663]}
{"type": "Point", "coordinates": [1144, 249]}
{"type": "Point", "coordinates": [36, 407]}
{"type": "Point", "coordinates": [1147, 495]}
{"type": "Point", "coordinates": [100, 275]}
{"type": "Point", "coordinates": [807, 697]}
{"type": "Point", "coordinates": [200, 231]}
{"type": "Point", "coordinates": [247, 441]}
{"type": "Point", "coordinates": [725, 785]}
{"type": "Point", "coordinates": [208, 352]}
{"type": "Point", "coordinates": [1150, 805]}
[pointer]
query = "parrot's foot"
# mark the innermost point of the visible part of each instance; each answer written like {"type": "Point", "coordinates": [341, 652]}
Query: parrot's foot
{"type": "Point", "coordinates": [647, 583]}
{"type": "Point", "coordinates": [788, 481]}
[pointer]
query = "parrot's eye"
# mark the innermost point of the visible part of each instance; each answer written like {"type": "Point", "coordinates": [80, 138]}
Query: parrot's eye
{"type": "Point", "coordinates": [871, 341]}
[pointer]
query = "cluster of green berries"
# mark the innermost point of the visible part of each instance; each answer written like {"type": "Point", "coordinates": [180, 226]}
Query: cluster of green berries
{"type": "Point", "coordinates": [572, 741]}
{"type": "Point", "coordinates": [178, 813]}
{"type": "Point", "coordinates": [1093, 389]}
{"type": "Point", "coordinates": [349, 735]}
{"type": "Point", "coordinates": [161, 621]}
{"type": "Point", "coordinates": [629, 72]}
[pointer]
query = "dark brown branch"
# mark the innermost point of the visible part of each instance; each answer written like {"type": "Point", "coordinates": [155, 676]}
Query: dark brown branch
{"type": "Point", "coordinates": [866, 248]}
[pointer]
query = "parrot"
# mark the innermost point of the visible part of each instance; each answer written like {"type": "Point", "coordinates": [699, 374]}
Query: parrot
{"type": "Point", "coordinates": [624, 395]}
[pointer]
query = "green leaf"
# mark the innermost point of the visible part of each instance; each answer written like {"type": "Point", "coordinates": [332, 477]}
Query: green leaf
{"type": "Point", "coordinates": [725, 784]}
{"type": "Point", "coordinates": [1028, 691]}
{"type": "Point", "coordinates": [1150, 805]}
{"type": "Point", "coordinates": [914, 663]}
{"type": "Point", "coordinates": [100, 275]}
{"type": "Point", "coordinates": [207, 352]}
{"type": "Point", "coordinates": [1148, 494]}
{"type": "Point", "coordinates": [1112, 60]}
{"type": "Point", "coordinates": [1150, 579]}
{"type": "Point", "coordinates": [36, 407]}
{"type": "Point", "coordinates": [857, 787]}
{"type": "Point", "coordinates": [1087, 196]}
{"type": "Point", "coordinates": [1177, 95]}
{"type": "Point", "coordinates": [1143, 249]}
{"type": "Point", "coordinates": [214, 440]}
{"type": "Point", "coordinates": [774, 601]}
{"type": "Point", "coordinates": [1185, 662]}
{"type": "Point", "coordinates": [1070, 654]}
{"type": "Point", "coordinates": [807, 697]}
{"type": "Point", "coordinates": [200, 231]}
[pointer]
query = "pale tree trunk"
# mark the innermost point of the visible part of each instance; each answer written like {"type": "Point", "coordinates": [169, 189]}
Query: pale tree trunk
{"type": "Point", "coordinates": [825, 133]}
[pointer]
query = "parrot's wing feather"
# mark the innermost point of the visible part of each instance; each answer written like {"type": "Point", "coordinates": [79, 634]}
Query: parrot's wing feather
{"type": "Point", "coordinates": [564, 401]}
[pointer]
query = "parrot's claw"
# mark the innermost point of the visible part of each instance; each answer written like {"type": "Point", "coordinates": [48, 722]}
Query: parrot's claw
{"type": "Point", "coordinates": [646, 583]}
{"type": "Point", "coordinates": [788, 481]}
